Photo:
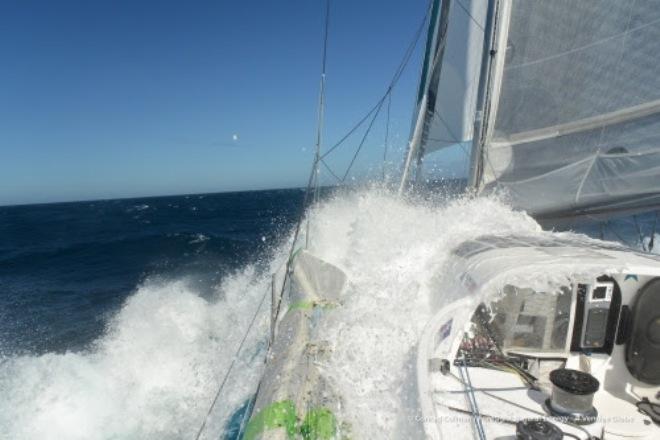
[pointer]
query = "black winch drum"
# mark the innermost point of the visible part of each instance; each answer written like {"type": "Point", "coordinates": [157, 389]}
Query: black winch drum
{"type": "Point", "coordinates": [573, 395]}
{"type": "Point", "coordinates": [537, 429]}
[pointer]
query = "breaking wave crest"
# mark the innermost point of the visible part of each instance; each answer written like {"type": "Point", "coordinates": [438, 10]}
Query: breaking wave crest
{"type": "Point", "coordinates": [156, 370]}
{"type": "Point", "coordinates": [394, 253]}
{"type": "Point", "coordinates": [153, 374]}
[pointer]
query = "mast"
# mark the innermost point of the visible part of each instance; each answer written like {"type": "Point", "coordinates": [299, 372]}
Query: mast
{"type": "Point", "coordinates": [479, 120]}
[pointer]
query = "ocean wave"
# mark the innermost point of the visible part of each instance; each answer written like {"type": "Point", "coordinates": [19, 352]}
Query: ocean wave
{"type": "Point", "coordinates": [138, 208]}
{"type": "Point", "coordinates": [199, 238]}
{"type": "Point", "coordinates": [169, 244]}
{"type": "Point", "coordinates": [156, 370]}
{"type": "Point", "coordinates": [152, 375]}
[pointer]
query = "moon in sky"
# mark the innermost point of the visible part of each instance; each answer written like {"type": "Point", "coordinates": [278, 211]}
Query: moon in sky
{"type": "Point", "coordinates": [234, 137]}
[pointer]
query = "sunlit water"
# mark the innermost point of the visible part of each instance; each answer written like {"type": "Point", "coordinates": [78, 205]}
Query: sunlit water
{"type": "Point", "coordinates": [155, 368]}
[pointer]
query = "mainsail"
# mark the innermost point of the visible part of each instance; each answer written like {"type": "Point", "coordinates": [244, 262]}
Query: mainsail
{"type": "Point", "coordinates": [567, 117]}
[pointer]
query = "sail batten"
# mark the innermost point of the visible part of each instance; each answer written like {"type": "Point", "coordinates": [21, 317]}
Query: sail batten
{"type": "Point", "coordinates": [574, 123]}
{"type": "Point", "coordinates": [623, 115]}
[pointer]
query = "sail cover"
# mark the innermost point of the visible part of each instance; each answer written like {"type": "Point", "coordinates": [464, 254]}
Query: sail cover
{"type": "Point", "coordinates": [574, 126]}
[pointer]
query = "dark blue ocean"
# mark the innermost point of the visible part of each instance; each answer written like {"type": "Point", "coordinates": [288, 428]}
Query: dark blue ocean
{"type": "Point", "coordinates": [66, 267]}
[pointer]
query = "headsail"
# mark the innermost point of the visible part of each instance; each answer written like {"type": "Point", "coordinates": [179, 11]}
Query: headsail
{"type": "Point", "coordinates": [450, 78]}
{"type": "Point", "coordinates": [570, 122]}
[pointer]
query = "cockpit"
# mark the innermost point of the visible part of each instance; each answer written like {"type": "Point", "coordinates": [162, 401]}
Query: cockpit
{"type": "Point", "coordinates": [582, 319]}
{"type": "Point", "coordinates": [582, 355]}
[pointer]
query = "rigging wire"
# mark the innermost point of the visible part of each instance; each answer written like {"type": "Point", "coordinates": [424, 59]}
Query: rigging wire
{"type": "Point", "coordinates": [321, 116]}
{"type": "Point", "coordinates": [231, 366]}
{"type": "Point", "coordinates": [320, 159]}
{"type": "Point", "coordinates": [364, 138]}
{"type": "Point", "coordinates": [387, 132]}
{"type": "Point", "coordinates": [397, 75]}
{"type": "Point", "coordinates": [332, 173]}
{"type": "Point", "coordinates": [496, 419]}
{"type": "Point", "coordinates": [395, 79]}
{"type": "Point", "coordinates": [321, 108]}
{"type": "Point", "coordinates": [313, 178]}
{"type": "Point", "coordinates": [312, 182]}
{"type": "Point", "coordinates": [479, 25]}
{"type": "Point", "coordinates": [471, 398]}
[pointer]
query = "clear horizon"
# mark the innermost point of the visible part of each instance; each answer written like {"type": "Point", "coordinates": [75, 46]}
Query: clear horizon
{"type": "Point", "coordinates": [124, 100]}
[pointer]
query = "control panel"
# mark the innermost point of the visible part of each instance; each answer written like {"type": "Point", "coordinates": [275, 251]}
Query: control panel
{"type": "Point", "coordinates": [597, 303]}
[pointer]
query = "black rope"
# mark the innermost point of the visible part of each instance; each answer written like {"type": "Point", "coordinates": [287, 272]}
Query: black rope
{"type": "Point", "coordinates": [533, 411]}
{"type": "Point", "coordinates": [231, 366]}
{"type": "Point", "coordinates": [486, 416]}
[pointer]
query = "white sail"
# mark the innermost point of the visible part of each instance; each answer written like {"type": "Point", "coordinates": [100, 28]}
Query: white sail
{"type": "Point", "coordinates": [573, 122]}
{"type": "Point", "coordinates": [565, 95]}
{"type": "Point", "coordinates": [450, 77]}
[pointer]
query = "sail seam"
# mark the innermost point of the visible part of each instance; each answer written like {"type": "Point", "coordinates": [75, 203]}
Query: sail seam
{"type": "Point", "coordinates": [586, 46]}
{"type": "Point", "coordinates": [616, 117]}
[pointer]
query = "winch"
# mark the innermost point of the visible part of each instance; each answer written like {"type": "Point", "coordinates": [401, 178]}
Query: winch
{"type": "Point", "coordinates": [572, 395]}
{"type": "Point", "coordinates": [537, 429]}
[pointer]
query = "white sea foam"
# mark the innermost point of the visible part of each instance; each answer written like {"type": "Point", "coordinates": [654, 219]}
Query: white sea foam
{"type": "Point", "coordinates": [153, 375]}
{"type": "Point", "coordinates": [156, 370]}
{"type": "Point", "coordinates": [199, 238]}
{"type": "Point", "coordinates": [392, 252]}
{"type": "Point", "coordinates": [647, 244]}
{"type": "Point", "coordinates": [137, 208]}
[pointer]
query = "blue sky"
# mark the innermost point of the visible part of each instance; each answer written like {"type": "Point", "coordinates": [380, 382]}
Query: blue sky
{"type": "Point", "coordinates": [132, 98]}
